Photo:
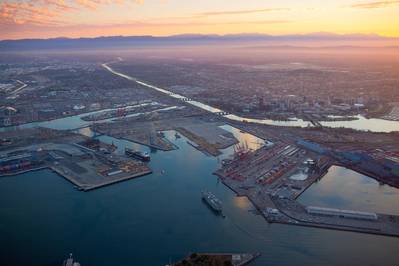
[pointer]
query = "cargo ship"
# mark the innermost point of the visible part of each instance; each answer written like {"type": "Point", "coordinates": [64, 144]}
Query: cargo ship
{"type": "Point", "coordinates": [212, 201]}
{"type": "Point", "coordinates": [143, 156]}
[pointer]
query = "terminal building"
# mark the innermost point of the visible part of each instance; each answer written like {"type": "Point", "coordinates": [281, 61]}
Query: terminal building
{"type": "Point", "coordinates": [342, 213]}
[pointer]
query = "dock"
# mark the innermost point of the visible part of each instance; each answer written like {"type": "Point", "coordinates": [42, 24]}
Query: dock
{"type": "Point", "coordinates": [234, 259]}
{"type": "Point", "coordinates": [86, 164]}
{"type": "Point", "coordinates": [263, 176]}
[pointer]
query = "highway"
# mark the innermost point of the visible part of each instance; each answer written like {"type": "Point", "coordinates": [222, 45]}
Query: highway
{"type": "Point", "coordinates": [16, 91]}
{"type": "Point", "coordinates": [374, 125]}
{"type": "Point", "coordinates": [169, 93]}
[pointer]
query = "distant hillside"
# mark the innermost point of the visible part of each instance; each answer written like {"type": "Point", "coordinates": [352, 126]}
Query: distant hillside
{"type": "Point", "coordinates": [187, 39]}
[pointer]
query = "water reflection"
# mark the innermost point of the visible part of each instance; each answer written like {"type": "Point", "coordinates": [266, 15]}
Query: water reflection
{"type": "Point", "coordinates": [376, 125]}
{"type": "Point", "coordinates": [86, 131]}
{"type": "Point", "coordinates": [245, 139]}
{"type": "Point", "coordinates": [242, 203]}
{"type": "Point", "coordinates": [161, 212]}
{"type": "Point", "coordinates": [362, 123]}
{"type": "Point", "coordinates": [346, 189]}
{"type": "Point", "coordinates": [73, 122]}
{"type": "Point", "coordinates": [76, 121]}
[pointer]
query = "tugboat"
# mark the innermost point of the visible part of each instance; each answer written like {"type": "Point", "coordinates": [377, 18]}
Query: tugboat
{"type": "Point", "coordinates": [212, 201]}
{"type": "Point", "coordinates": [143, 156]}
{"type": "Point", "coordinates": [70, 262]}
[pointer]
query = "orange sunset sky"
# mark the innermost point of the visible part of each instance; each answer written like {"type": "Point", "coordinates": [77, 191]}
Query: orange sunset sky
{"type": "Point", "coordinates": [89, 18]}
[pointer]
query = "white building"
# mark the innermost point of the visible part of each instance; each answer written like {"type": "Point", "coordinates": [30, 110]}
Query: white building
{"type": "Point", "coordinates": [342, 213]}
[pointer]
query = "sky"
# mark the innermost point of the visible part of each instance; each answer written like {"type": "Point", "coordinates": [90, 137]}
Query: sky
{"type": "Point", "coordinates": [20, 19]}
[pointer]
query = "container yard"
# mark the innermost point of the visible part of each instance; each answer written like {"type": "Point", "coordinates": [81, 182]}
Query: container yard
{"type": "Point", "coordinates": [268, 177]}
{"type": "Point", "coordinates": [203, 131]}
{"type": "Point", "coordinates": [88, 163]}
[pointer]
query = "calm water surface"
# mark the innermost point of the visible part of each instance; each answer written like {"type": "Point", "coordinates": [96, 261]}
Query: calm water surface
{"type": "Point", "coordinates": [362, 123]}
{"type": "Point", "coordinates": [149, 220]}
{"type": "Point", "coordinates": [345, 189]}
{"type": "Point", "coordinates": [155, 218]}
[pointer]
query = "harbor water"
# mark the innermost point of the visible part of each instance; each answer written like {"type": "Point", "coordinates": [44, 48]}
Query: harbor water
{"type": "Point", "coordinates": [361, 123]}
{"type": "Point", "coordinates": [161, 217]}
{"type": "Point", "coordinates": [345, 189]}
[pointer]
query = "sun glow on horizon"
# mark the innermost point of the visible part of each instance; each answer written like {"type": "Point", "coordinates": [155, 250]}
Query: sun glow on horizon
{"type": "Point", "coordinates": [91, 18]}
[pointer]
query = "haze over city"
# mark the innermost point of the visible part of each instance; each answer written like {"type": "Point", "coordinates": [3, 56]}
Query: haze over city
{"type": "Point", "coordinates": [199, 133]}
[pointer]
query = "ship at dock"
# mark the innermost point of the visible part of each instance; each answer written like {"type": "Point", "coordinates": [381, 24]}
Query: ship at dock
{"type": "Point", "coordinates": [214, 203]}
{"type": "Point", "coordinates": [142, 156]}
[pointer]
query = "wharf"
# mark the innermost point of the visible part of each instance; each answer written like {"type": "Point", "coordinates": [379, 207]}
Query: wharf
{"type": "Point", "coordinates": [110, 182]}
{"type": "Point", "coordinates": [24, 171]}
{"type": "Point", "coordinates": [87, 179]}
{"type": "Point", "coordinates": [87, 168]}
{"type": "Point", "coordinates": [234, 259]}
{"type": "Point", "coordinates": [387, 225]}
{"type": "Point", "coordinates": [274, 196]}
{"type": "Point", "coordinates": [291, 212]}
{"type": "Point", "coordinates": [74, 180]}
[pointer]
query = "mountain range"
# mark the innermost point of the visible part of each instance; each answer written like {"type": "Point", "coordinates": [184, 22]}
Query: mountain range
{"type": "Point", "coordinates": [185, 39]}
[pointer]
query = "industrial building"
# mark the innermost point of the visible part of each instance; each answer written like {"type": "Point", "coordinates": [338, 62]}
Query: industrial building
{"type": "Point", "coordinates": [342, 213]}
{"type": "Point", "coordinates": [312, 146]}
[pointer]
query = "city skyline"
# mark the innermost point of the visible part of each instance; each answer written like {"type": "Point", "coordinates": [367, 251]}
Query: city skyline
{"type": "Point", "coordinates": [199, 133]}
{"type": "Point", "coordinates": [93, 18]}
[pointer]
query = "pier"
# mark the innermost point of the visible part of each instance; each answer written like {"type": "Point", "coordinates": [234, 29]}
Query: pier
{"type": "Point", "coordinates": [263, 176]}
{"type": "Point", "coordinates": [88, 164]}
{"type": "Point", "coordinates": [234, 259]}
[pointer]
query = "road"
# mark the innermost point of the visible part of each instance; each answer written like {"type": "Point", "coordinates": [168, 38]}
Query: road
{"type": "Point", "coordinates": [15, 92]}
{"type": "Point", "coordinates": [360, 124]}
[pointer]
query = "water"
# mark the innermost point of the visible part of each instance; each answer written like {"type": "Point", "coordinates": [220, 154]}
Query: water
{"type": "Point", "coordinates": [362, 123]}
{"type": "Point", "coordinates": [245, 139]}
{"type": "Point", "coordinates": [149, 220]}
{"type": "Point", "coordinates": [345, 189]}
{"type": "Point", "coordinates": [74, 122]}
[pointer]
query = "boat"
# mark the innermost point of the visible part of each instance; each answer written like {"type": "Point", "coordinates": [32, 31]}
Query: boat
{"type": "Point", "coordinates": [177, 136]}
{"type": "Point", "coordinates": [70, 261]}
{"type": "Point", "coordinates": [143, 156]}
{"type": "Point", "coordinates": [212, 201]}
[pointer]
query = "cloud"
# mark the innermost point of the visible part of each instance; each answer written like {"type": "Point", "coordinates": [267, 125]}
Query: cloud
{"type": "Point", "coordinates": [43, 12]}
{"type": "Point", "coordinates": [149, 23]}
{"type": "Point", "coordinates": [94, 4]}
{"type": "Point", "coordinates": [195, 23]}
{"type": "Point", "coordinates": [18, 31]}
{"type": "Point", "coordinates": [378, 4]}
{"type": "Point", "coordinates": [25, 12]}
{"type": "Point", "coordinates": [58, 4]}
{"type": "Point", "coordinates": [38, 18]}
{"type": "Point", "coordinates": [240, 12]}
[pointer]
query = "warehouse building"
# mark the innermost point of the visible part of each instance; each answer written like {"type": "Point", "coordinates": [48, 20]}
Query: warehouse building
{"type": "Point", "coordinates": [342, 213]}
